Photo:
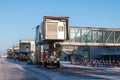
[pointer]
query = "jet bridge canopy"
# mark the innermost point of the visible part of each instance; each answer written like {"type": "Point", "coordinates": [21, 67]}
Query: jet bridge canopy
{"type": "Point", "coordinates": [54, 28]}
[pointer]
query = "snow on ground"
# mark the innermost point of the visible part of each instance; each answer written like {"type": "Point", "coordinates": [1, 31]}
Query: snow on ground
{"type": "Point", "coordinates": [54, 76]}
{"type": "Point", "coordinates": [51, 75]}
{"type": "Point", "coordinates": [113, 69]}
{"type": "Point", "coordinates": [68, 64]}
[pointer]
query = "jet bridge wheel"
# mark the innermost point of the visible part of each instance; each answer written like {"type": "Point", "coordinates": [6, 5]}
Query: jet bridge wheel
{"type": "Point", "coordinates": [45, 64]}
{"type": "Point", "coordinates": [58, 65]}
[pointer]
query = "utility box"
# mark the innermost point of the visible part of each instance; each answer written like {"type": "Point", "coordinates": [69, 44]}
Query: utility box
{"type": "Point", "coordinates": [54, 28]}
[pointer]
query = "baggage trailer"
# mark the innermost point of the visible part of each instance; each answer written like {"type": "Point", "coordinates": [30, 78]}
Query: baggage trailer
{"type": "Point", "coordinates": [52, 31]}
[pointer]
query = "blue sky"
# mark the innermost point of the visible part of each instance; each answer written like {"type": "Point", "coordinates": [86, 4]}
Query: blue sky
{"type": "Point", "coordinates": [19, 17]}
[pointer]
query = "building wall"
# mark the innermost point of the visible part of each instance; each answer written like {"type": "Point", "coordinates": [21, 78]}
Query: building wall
{"type": "Point", "coordinates": [95, 52]}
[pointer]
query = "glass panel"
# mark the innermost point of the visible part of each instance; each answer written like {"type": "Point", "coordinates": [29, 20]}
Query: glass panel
{"type": "Point", "coordinates": [117, 36]}
{"type": "Point", "coordinates": [106, 36]}
{"type": "Point", "coordinates": [72, 35]}
{"type": "Point", "coordinates": [89, 36]}
{"type": "Point", "coordinates": [97, 36]}
{"type": "Point", "coordinates": [118, 48]}
{"type": "Point", "coordinates": [111, 37]}
{"type": "Point", "coordinates": [84, 36]}
{"type": "Point", "coordinates": [61, 28]}
{"type": "Point", "coordinates": [77, 37]}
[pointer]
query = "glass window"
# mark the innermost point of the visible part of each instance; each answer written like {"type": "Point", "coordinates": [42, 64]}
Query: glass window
{"type": "Point", "coordinates": [77, 36]}
{"type": "Point", "coordinates": [117, 36]}
{"type": "Point", "coordinates": [97, 36]}
{"type": "Point", "coordinates": [108, 36]}
{"type": "Point", "coordinates": [84, 36]}
{"type": "Point", "coordinates": [61, 28]}
{"type": "Point", "coordinates": [72, 35]}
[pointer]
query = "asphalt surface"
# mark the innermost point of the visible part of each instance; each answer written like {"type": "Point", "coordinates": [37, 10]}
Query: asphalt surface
{"type": "Point", "coordinates": [12, 71]}
{"type": "Point", "coordinates": [15, 70]}
{"type": "Point", "coordinates": [87, 73]}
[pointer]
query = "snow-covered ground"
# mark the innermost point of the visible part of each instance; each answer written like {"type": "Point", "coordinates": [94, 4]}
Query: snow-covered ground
{"type": "Point", "coordinates": [68, 64]}
{"type": "Point", "coordinates": [51, 75]}
{"type": "Point", "coordinates": [105, 69]}
{"type": "Point", "coordinates": [56, 76]}
{"type": "Point", "coordinates": [9, 70]}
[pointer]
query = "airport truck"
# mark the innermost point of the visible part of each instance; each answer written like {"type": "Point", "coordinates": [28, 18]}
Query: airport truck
{"type": "Point", "coordinates": [52, 31]}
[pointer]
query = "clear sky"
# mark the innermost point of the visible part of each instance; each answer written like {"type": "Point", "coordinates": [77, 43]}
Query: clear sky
{"type": "Point", "coordinates": [18, 18]}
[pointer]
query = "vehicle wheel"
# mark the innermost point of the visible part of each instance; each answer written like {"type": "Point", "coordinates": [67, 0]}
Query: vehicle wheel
{"type": "Point", "coordinates": [58, 64]}
{"type": "Point", "coordinates": [45, 64]}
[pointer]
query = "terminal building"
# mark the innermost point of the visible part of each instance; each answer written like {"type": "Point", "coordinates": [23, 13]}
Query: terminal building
{"type": "Point", "coordinates": [78, 43]}
{"type": "Point", "coordinates": [89, 43]}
